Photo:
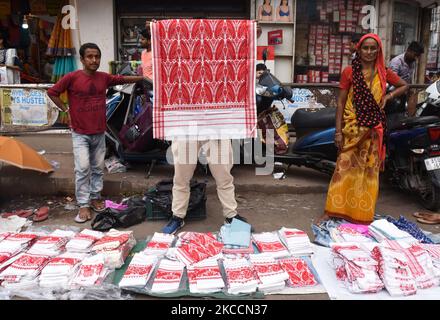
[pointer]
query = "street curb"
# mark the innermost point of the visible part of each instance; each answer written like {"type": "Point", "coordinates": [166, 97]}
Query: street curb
{"type": "Point", "coordinates": [41, 185]}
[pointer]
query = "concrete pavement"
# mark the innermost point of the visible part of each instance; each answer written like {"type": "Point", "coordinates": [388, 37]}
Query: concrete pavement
{"type": "Point", "coordinates": [58, 148]}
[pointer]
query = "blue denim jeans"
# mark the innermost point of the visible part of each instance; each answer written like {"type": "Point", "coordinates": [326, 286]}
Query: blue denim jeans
{"type": "Point", "coordinates": [89, 153]}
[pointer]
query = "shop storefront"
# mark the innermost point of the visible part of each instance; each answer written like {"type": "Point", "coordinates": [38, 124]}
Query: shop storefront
{"type": "Point", "coordinates": [26, 27]}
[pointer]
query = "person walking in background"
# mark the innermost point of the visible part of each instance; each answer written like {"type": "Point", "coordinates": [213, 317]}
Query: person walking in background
{"type": "Point", "coordinates": [404, 65]}
{"type": "Point", "coordinates": [147, 55]}
{"type": "Point", "coordinates": [86, 90]}
{"type": "Point", "coordinates": [359, 137]}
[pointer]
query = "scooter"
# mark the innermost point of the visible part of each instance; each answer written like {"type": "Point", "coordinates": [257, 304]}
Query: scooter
{"type": "Point", "coordinates": [413, 148]}
{"type": "Point", "coordinates": [314, 146]}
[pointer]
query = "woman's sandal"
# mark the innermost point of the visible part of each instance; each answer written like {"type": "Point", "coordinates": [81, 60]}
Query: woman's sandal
{"type": "Point", "coordinates": [423, 215]}
{"type": "Point", "coordinates": [429, 221]}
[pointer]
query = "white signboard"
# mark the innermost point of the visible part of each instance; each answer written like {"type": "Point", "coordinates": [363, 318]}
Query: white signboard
{"type": "Point", "coordinates": [303, 99]}
{"type": "Point", "coordinates": [29, 107]}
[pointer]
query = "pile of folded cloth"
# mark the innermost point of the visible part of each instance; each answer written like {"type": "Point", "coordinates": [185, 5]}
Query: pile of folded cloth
{"type": "Point", "coordinates": [410, 227]}
{"type": "Point", "coordinates": [356, 268]}
{"type": "Point", "coordinates": [14, 224]}
{"type": "Point", "coordinates": [269, 272]}
{"type": "Point", "coordinates": [115, 247]}
{"type": "Point", "coordinates": [60, 270]}
{"type": "Point", "coordinates": [23, 272]}
{"type": "Point", "coordinates": [240, 276]}
{"type": "Point", "coordinates": [83, 241]}
{"type": "Point", "coordinates": [12, 245]}
{"type": "Point", "coordinates": [270, 243]}
{"type": "Point", "coordinates": [349, 233]}
{"type": "Point", "coordinates": [383, 229]}
{"type": "Point", "coordinates": [419, 262]}
{"type": "Point", "coordinates": [434, 252]}
{"type": "Point", "coordinates": [296, 241]}
{"type": "Point", "coordinates": [139, 271]}
{"type": "Point", "coordinates": [299, 272]}
{"type": "Point", "coordinates": [236, 237]}
{"type": "Point", "coordinates": [168, 276]}
{"type": "Point", "coordinates": [394, 271]}
{"type": "Point", "coordinates": [92, 272]}
{"type": "Point", "coordinates": [196, 247]}
{"type": "Point", "coordinates": [159, 244]}
{"type": "Point", "coordinates": [49, 245]}
{"type": "Point", "coordinates": [205, 277]}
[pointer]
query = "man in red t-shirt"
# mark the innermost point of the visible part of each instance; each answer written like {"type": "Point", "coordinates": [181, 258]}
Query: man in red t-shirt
{"type": "Point", "coordinates": [86, 91]}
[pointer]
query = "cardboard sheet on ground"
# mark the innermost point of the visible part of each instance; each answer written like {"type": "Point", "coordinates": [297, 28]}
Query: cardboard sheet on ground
{"type": "Point", "coordinates": [337, 291]}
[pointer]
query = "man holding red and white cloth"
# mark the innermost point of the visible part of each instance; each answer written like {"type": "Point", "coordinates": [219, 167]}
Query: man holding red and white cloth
{"type": "Point", "coordinates": [204, 95]}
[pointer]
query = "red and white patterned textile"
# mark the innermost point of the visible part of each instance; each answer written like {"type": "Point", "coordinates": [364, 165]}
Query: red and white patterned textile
{"type": "Point", "coordinates": [48, 245]}
{"type": "Point", "coordinates": [60, 270]}
{"type": "Point", "coordinates": [159, 244]}
{"type": "Point", "coordinates": [201, 246]}
{"type": "Point", "coordinates": [348, 234]}
{"type": "Point", "coordinates": [270, 243]}
{"type": "Point", "coordinates": [299, 272]}
{"type": "Point", "coordinates": [204, 79]}
{"type": "Point", "coordinates": [356, 268]}
{"type": "Point", "coordinates": [208, 276]}
{"type": "Point", "coordinates": [272, 277]}
{"type": "Point", "coordinates": [394, 271]}
{"type": "Point", "coordinates": [168, 276]}
{"type": "Point", "coordinates": [27, 266]}
{"type": "Point", "coordinates": [297, 241]}
{"type": "Point", "coordinates": [434, 252]}
{"type": "Point", "coordinates": [138, 271]}
{"type": "Point", "coordinates": [83, 241]}
{"type": "Point", "coordinates": [419, 262]}
{"type": "Point", "coordinates": [92, 272]}
{"type": "Point", "coordinates": [13, 245]}
{"type": "Point", "coordinates": [113, 239]}
{"type": "Point", "coordinates": [240, 276]}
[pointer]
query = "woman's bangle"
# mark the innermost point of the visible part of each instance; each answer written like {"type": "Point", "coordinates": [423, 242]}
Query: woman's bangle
{"type": "Point", "coordinates": [338, 134]}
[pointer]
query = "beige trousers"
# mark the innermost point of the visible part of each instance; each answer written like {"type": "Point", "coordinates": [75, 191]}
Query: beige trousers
{"type": "Point", "coordinates": [220, 159]}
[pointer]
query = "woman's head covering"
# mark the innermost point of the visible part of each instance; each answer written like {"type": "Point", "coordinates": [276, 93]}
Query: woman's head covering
{"type": "Point", "coordinates": [380, 62]}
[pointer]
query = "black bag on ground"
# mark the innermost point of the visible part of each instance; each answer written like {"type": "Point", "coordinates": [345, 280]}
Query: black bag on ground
{"type": "Point", "coordinates": [158, 201]}
{"type": "Point", "coordinates": [112, 218]}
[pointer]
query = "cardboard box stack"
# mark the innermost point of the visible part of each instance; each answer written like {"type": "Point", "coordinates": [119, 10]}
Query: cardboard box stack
{"type": "Point", "coordinates": [329, 42]}
{"type": "Point", "coordinates": [302, 78]}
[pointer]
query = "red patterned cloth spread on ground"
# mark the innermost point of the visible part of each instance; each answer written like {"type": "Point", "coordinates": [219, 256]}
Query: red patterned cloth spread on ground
{"type": "Point", "coordinates": [204, 78]}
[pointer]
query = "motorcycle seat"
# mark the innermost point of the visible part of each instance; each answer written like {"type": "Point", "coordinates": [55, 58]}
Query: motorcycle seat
{"type": "Point", "coordinates": [419, 121]}
{"type": "Point", "coordinates": [324, 118]}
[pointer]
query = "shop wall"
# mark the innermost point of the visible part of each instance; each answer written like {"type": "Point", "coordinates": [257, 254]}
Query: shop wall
{"type": "Point", "coordinates": [96, 24]}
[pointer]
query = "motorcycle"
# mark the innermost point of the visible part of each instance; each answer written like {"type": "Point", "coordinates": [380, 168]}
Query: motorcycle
{"type": "Point", "coordinates": [413, 148]}
{"type": "Point", "coordinates": [129, 132]}
{"type": "Point", "coordinates": [314, 146]}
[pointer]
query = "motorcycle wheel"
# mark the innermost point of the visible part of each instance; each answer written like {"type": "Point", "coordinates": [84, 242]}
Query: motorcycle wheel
{"type": "Point", "coordinates": [429, 197]}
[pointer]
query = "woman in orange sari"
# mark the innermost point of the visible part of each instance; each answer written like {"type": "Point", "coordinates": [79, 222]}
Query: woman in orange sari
{"type": "Point", "coordinates": [360, 127]}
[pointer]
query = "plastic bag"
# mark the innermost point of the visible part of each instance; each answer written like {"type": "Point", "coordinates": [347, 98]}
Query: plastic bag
{"type": "Point", "coordinates": [112, 218]}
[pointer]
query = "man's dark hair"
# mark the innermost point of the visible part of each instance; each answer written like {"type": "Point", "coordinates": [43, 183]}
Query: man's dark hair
{"type": "Point", "coordinates": [146, 33]}
{"type": "Point", "coordinates": [356, 37]}
{"type": "Point", "coordinates": [261, 66]}
{"type": "Point", "coordinates": [4, 36]}
{"type": "Point", "coordinates": [86, 46]}
{"type": "Point", "coordinates": [416, 47]}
